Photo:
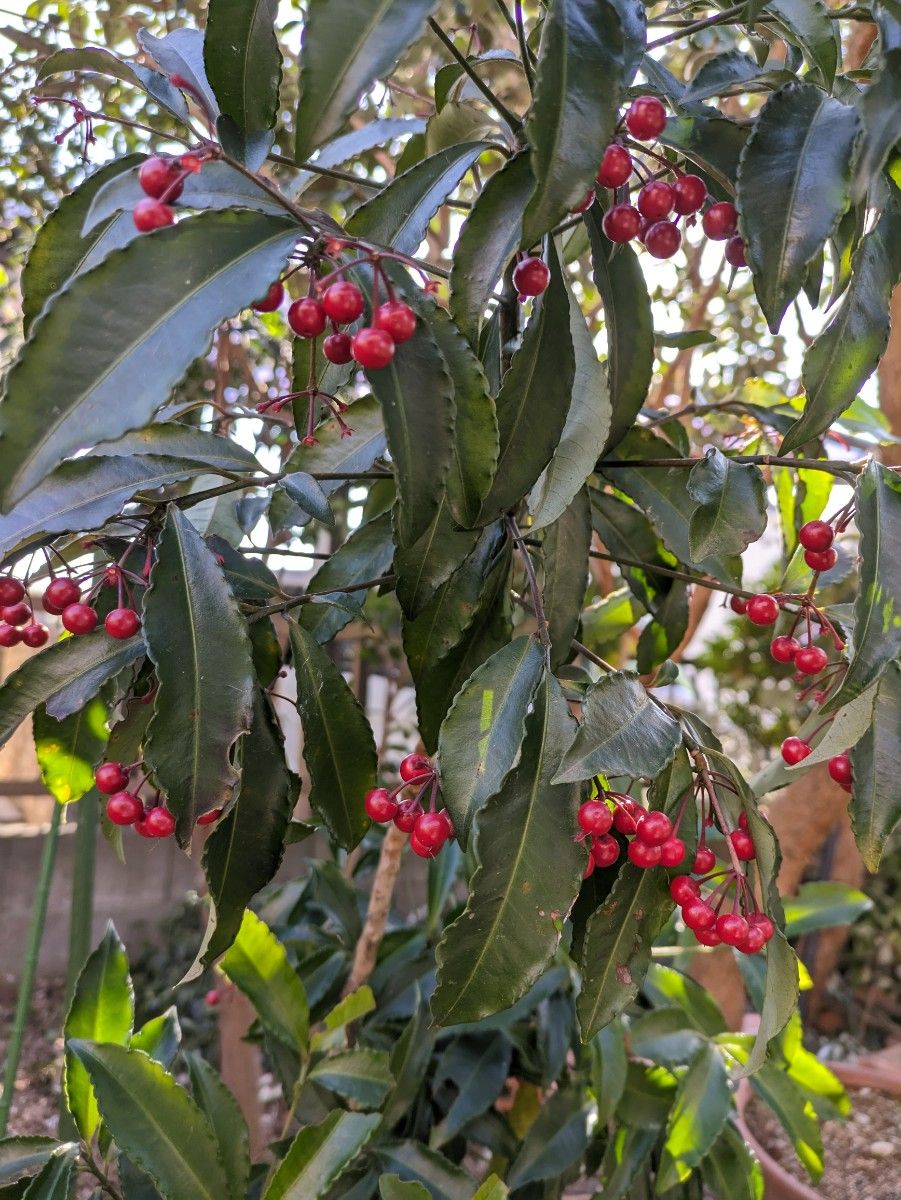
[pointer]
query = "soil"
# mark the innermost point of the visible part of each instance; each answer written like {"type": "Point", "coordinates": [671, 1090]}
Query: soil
{"type": "Point", "coordinates": [36, 1098]}
{"type": "Point", "coordinates": [862, 1154]}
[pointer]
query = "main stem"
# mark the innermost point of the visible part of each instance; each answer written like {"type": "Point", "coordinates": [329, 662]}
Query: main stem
{"type": "Point", "coordinates": [543, 635]}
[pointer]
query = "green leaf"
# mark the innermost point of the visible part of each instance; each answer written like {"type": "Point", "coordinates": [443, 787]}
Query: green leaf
{"type": "Point", "coordinates": [482, 734]}
{"type": "Point", "coordinates": [319, 1154]}
{"type": "Point", "coordinates": [68, 750]}
{"type": "Point", "coordinates": [338, 746]}
{"type": "Point", "coordinates": [367, 554]}
{"type": "Point", "coordinates": [224, 1117]}
{"type": "Point", "coordinates": [182, 441]}
{"type": "Point", "coordinates": [525, 883]}
{"type": "Point", "coordinates": [23, 1156]}
{"type": "Point", "coordinates": [360, 1075]}
{"type": "Point", "coordinates": [712, 142]}
{"type": "Point", "coordinates": [159, 1037]}
{"type": "Point", "coordinates": [410, 1058]}
{"type": "Point", "coordinates": [63, 677]}
{"type": "Point", "coordinates": [246, 848]}
{"type": "Point", "coordinates": [875, 801]}
{"type": "Point", "coordinates": [334, 454]}
{"type": "Point", "coordinates": [256, 963]}
{"type": "Point", "coordinates": [880, 111]}
{"type": "Point", "coordinates": [822, 904]}
{"type": "Point", "coordinates": [557, 1138]}
{"type": "Point", "coordinates": [492, 1189]}
{"type": "Point", "coordinates": [579, 85]}
{"type": "Point", "coordinates": [732, 506]}
{"type": "Point", "coordinates": [699, 1113]}
{"type": "Point", "coordinates": [102, 1010]}
{"type": "Point", "coordinates": [478, 1068]}
{"type": "Point", "coordinates": [306, 492]}
{"type": "Point", "coordinates": [391, 1187]}
{"type": "Point", "coordinates": [347, 45]}
{"type": "Point", "coordinates": [665, 985]}
{"type": "Point", "coordinates": [608, 1069]}
{"type": "Point", "coordinates": [197, 640]}
{"type": "Point", "coordinates": [76, 381]}
{"type": "Point", "coordinates": [97, 60]}
{"type": "Point", "coordinates": [626, 1153]}
{"type": "Point", "coordinates": [663, 1036]}
{"type": "Point", "coordinates": [429, 562]}
{"type": "Point", "coordinates": [794, 183]}
{"type": "Point", "coordinates": [617, 946]}
{"type": "Point", "coordinates": [540, 379]}
{"type": "Point", "coordinates": [623, 732]}
{"type": "Point", "coordinates": [351, 1008]}
{"type": "Point", "coordinates": [566, 545]}
{"type": "Point", "coordinates": [730, 1169]}
{"type": "Point", "coordinates": [243, 61]}
{"type": "Point", "coordinates": [56, 1179]}
{"type": "Point", "coordinates": [154, 1121]}
{"type": "Point", "coordinates": [808, 25]}
{"type": "Point", "coordinates": [411, 1161]}
{"type": "Point", "coordinates": [721, 73]}
{"type": "Point", "coordinates": [180, 52]}
{"type": "Point", "coordinates": [628, 325]}
{"type": "Point", "coordinates": [488, 238]}
{"type": "Point", "coordinates": [796, 1115]}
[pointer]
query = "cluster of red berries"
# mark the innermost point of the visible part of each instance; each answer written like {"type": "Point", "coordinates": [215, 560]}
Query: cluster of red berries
{"type": "Point", "coordinates": [162, 179]}
{"type": "Point", "coordinates": [126, 807]}
{"type": "Point", "coordinates": [703, 915]}
{"type": "Point", "coordinates": [429, 828]}
{"type": "Point", "coordinates": [654, 842]}
{"type": "Point", "coordinates": [61, 598]}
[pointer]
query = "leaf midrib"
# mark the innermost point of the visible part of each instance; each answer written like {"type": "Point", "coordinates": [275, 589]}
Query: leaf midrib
{"type": "Point", "coordinates": [611, 964]}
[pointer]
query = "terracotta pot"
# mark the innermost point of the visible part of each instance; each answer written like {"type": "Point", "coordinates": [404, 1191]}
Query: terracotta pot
{"type": "Point", "coordinates": [878, 1071]}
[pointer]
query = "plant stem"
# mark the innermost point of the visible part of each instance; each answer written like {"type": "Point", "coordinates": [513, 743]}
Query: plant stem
{"type": "Point", "coordinates": [307, 597]}
{"type": "Point", "coordinates": [524, 51]}
{"type": "Point", "coordinates": [512, 120]}
{"type": "Point", "coordinates": [701, 580]}
{"type": "Point", "coordinates": [591, 656]}
{"type": "Point", "coordinates": [720, 18]}
{"type": "Point", "coordinates": [329, 172]}
{"type": "Point", "coordinates": [830, 467]}
{"type": "Point", "coordinates": [29, 964]}
{"type": "Point", "coordinates": [106, 1184]}
{"type": "Point", "coordinates": [543, 635]}
{"type": "Point", "coordinates": [381, 891]}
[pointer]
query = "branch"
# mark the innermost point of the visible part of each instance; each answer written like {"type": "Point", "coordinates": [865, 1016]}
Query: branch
{"type": "Point", "coordinates": [830, 466]}
{"type": "Point", "coordinates": [720, 18]}
{"type": "Point", "coordinates": [704, 581]}
{"type": "Point", "coordinates": [308, 597]}
{"type": "Point", "coordinates": [367, 948]}
{"type": "Point", "coordinates": [543, 635]}
{"type": "Point", "coordinates": [512, 120]}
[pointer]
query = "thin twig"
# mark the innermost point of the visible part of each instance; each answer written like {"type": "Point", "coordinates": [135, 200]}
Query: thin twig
{"type": "Point", "coordinates": [720, 18]}
{"type": "Point", "coordinates": [524, 51]}
{"type": "Point", "coordinates": [512, 120]}
{"type": "Point", "coordinates": [309, 597]}
{"type": "Point", "coordinates": [829, 466]}
{"type": "Point", "coordinates": [543, 634]}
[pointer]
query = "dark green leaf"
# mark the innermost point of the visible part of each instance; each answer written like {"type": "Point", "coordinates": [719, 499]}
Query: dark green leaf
{"type": "Point", "coordinates": [198, 642]}
{"type": "Point", "coordinates": [180, 52]}
{"type": "Point", "coordinates": [319, 1154]}
{"type": "Point", "coordinates": [256, 963]}
{"type": "Point", "coordinates": [665, 985]}
{"type": "Point", "coordinates": [367, 554]}
{"type": "Point", "coordinates": [721, 73]}
{"type": "Point", "coordinates": [732, 506]}
{"type": "Point", "coordinates": [822, 904]}
{"type": "Point", "coordinates": [159, 1037]}
{"type": "Point", "coordinates": [338, 745]}
{"type": "Point", "coordinates": [686, 339]}
{"type": "Point", "coordinates": [794, 183]}
{"type": "Point", "coordinates": [102, 62]}
{"type": "Point", "coordinates": [243, 61]}
{"type": "Point", "coordinates": [730, 1169]}
{"type": "Point", "coordinates": [795, 1113]}
{"type": "Point", "coordinates": [478, 1068]}
{"type": "Point", "coordinates": [392, 1187]}
{"type": "Point", "coordinates": [700, 1111]}
{"type": "Point", "coordinates": [566, 545]}
{"type": "Point", "coordinates": [410, 1056]}
{"type": "Point", "coordinates": [306, 492]}
{"type": "Point", "coordinates": [663, 1036]}
{"type": "Point", "coordinates": [411, 1161]}
{"type": "Point", "coordinates": [23, 1156]}
{"type": "Point", "coordinates": [68, 751]}
{"type": "Point", "coordinates": [360, 1075]}
{"type": "Point", "coordinates": [56, 1180]}
{"type": "Point", "coordinates": [181, 441]}
{"type": "Point", "coordinates": [608, 1069]}
{"type": "Point", "coordinates": [557, 1139]}
{"type": "Point", "coordinates": [876, 801]}
{"type": "Point", "coordinates": [626, 1153]}
{"type": "Point", "coordinates": [809, 26]}
{"type": "Point", "coordinates": [224, 1117]}
{"type": "Point", "coordinates": [335, 454]}
{"type": "Point", "coordinates": [431, 560]}
{"type": "Point", "coordinates": [880, 110]}
{"type": "Point", "coordinates": [712, 142]}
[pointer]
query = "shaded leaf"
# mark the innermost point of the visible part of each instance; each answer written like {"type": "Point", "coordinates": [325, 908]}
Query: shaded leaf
{"type": "Point", "coordinates": [730, 1169]}
{"type": "Point", "coordinates": [102, 62]}
{"type": "Point", "coordinates": [808, 25]}
{"type": "Point", "coordinates": [413, 1162]}
{"type": "Point", "coordinates": [556, 1140]}
{"type": "Point", "coordinates": [431, 560]}
{"type": "Point", "coordinates": [626, 1153]}
{"type": "Point", "coordinates": [367, 554]}
{"type": "Point", "coordinates": [180, 52]}
{"type": "Point", "coordinates": [319, 1154]}
{"type": "Point", "coordinates": [478, 1069]}
{"type": "Point", "coordinates": [875, 801]}
{"type": "Point", "coordinates": [820, 904]}
{"type": "Point", "coordinates": [360, 1075]}
{"type": "Point", "coordinates": [392, 1187]}
{"type": "Point", "coordinates": [56, 1179]}
{"type": "Point", "coordinates": [665, 985]}
{"type": "Point", "coordinates": [243, 61]}
{"type": "Point", "coordinates": [795, 1113]}
{"type": "Point", "coordinates": [608, 1069]}
{"type": "Point", "coordinates": [732, 506]}
{"type": "Point", "coordinates": [306, 492]}
{"type": "Point", "coordinates": [721, 73]}
{"type": "Point", "coordinates": [256, 964]}
{"type": "Point", "coordinates": [334, 454]}
{"type": "Point", "coordinates": [566, 545]}
{"type": "Point", "coordinates": [880, 111]}
{"type": "Point", "coordinates": [23, 1155]}
{"type": "Point", "coordinates": [159, 1037]}
{"type": "Point", "coordinates": [224, 1117]}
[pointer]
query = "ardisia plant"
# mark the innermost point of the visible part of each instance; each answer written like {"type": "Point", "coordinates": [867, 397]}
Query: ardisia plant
{"type": "Point", "coordinates": [443, 395]}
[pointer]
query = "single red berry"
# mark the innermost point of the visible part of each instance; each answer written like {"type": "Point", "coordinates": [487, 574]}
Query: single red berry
{"type": "Point", "coordinates": [708, 937]}
{"type": "Point", "coordinates": [343, 302]}
{"type": "Point", "coordinates": [122, 623]}
{"type": "Point", "coordinates": [406, 818]}
{"type": "Point", "coordinates": [307, 317]}
{"type": "Point", "coordinates": [379, 805]}
{"type": "Point", "coordinates": [753, 941]}
{"type": "Point", "coordinates": [663, 239]}
{"type": "Point", "coordinates": [783, 649]}
{"type": "Point", "coordinates": [763, 609]}
{"type": "Point", "coordinates": [672, 852]}
{"type": "Point", "coordinates": [149, 214]}
{"type": "Point", "coordinates": [646, 117]}
{"type": "Point", "coordinates": [742, 844]}
{"type": "Point", "coordinates": [589, 868]}
{"type": "Point", "coordinates": [615, 168]}
{"type": "Point", "coordinates": [684, 889]}
{"type": "Point", "coordinates": [396, 319]}
{"type": "Point", "coordinates": [79, 618]}
{"type": "Point", "coordinates": [839, 767]}
{"type": "Point", "coordinates": [720, 222]}
{"type": "Point", "coordinates": [794, 750]}
{"type": "Point", "coordinates": [60, 593]}
{"type": "Point", "coordinates": [689, 194]}
{"type": "Point", "coordinates": [821, 560]}
{"type": "Point", "coordinates": [531, 276]}
{"type": "Point", "coordinates": [338, 348]}
{"type": "Point", "coordinates": [16, 614]}
{"type": "Point", "coordinates": [159, 176]}
{"type": "Point", "coordinates": [595, 817]}
{"type": "Point", "coordinates": [623, 820]}
{"type": "Point", "coordinates": [762, 922]}
{"type": "Point", "coordinates": [414, 766]}
{"type": "Point", "coordinates": [704, 861]}
{"type": "Point", "coordinates": [191, 162]}
{"type": "Point", "coordinates": [272, 300]}
{"type": "Point", "coordinates": [732, 928]}
{"type": "Point", "coordinates": [420, 848]}
{"type": "Point", "coordinates": [816, 535]}
{"type": "Point", "coordinates": [111, 777]}
{"type": "Point", "coordinates": [735, 252]}
{"type": "Point", "coordinates": [160, 823]}
{"type": "Point", "coordinates": [742, 820]}
{"type": "Point", "coordinates": [210, 817]}
{"type": "Point", "coordinates": [642, 854]}
{"type": "Point", "coordinates": [449, 825]}
{"type": "Point", "coordinates": [656, 200]}
{"type": "Point", "coordinates": [212, 998]}
{"type": "Point", "coordinates": [431, 830]}
{"type": "Point", "coordinates": [124, 808]}
{"type": "Point", "coordinates": [372, 348]}
{"type": "Point", "coordinates": [9, 635]}
{"type": "Point", "coordinates": [697, 914]}
{"type": "Point", "coordinates": [621, 223]}
{"type": "Point", "coordinates": [35, 635]}
{"type": "Point", "coordinates": [810, 660]}
{"type": "Point", "coordinates": [584, 204]}
{"type": "Point", "coordinates": [11, 591]}
{"type": "Point", "coordinates": [738, 604]}
{"type": "Point", "coordinates": [604, 851]}
{"type": "Point", "coordinates": [654, 828]}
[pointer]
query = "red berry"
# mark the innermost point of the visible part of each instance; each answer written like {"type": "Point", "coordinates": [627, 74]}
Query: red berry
{"type": "Point", "coordinates": [604, 851]}
{"type": "Point", "coordinates": [654, 828]}
{"type": "Point", "coordinates": [212, 998]}
{"type": "Point", "coordinates": [589, 868]}
{"type": "Point", "coordinates": [9, 635]}
{"type": "Point", "coordinates": [35, 635]}
{"type": "Point", "coordinates": [338, 348]}
{"type": "Point", "coordinates": [272, 300]}
{"type": "Point", "coordinates": [431, 829]}
{"type": "Point", "coordinates": [738, 604]}
{"type": "Point", "coordinates": [732, 928]}
{"type": "Point", "coordinates": [11, 591]}
{"type": "Point", "coordinates": [420, 848]}
{"type": "Point", "coordinates": [783, 649]}
{"type": "Point", "coordinates": [111, 777]}
{"type": "Point", "coordinates": [742, 820]}
{"type": "Point", "coordinates": [735, 252]}
{"type": "Point", "coordinates": [720, 222]}
{"type": "Point", "coordinates": [698, 915]}
{"type": "Point", "coordinates": [531, 276]}
{"type": "Point", "coordinates": [656, 200]}
{"type": "Point", "coordinates": [448, 823]}
{"type": "Point", "coordinates": [210, 817]}
{"type": "Point", "coordinates": [753, 941]}
{"type": "Point", "coordinates": [821, 560]}
{"type": "Point", "coordinates": [621, 223]}
{"type": "Point", "coordinates": [684, 889]}
{"type": "Point", "coordinates": [763, 609]}
{"type": "Point", "coordinates": [373, 348]}
{"type": "Point", "coordinates": [615, 168]}
{"type": "Point", "coordinates": [595, 817]}
{"type": "Point", "coordinates": [149, 214]}
{"type": "Point", "coordinates": [406, 818]}
{"type": "Point", "coordinates": [379, 805]}
{"type": "Point", "coordinates": [663, 239]}
{"type": "Point", "coordinates": [672, 852]}
{"type": "Point", "coordinates": [122, 623]}
{"type": "Point", "coordinates": [742, 844]}
{"type": "Point", "coordinates": [397, 320]}
{"type": "Point", "coordinates": [689, 194]}
{"type": "Point", "coordinates": [810, 660]}
{"type": "Point", "coordinates": [123, 808]}
{"type": "Point", "coordinates": [159, 823]}
{"type": "Point", "coordinates": [79, 618]}
{"type": "Point", "coordinates": [839, 768]}
{"type": "Point", "coordinates": [704, 861]}
{"type": "Point", "coordinates": [794, 750]}
{"type": "Point", "coordinates": [583, 205]}
{"type": "Point", "coordinates": [414, 766]}
{"type": "Point", "coordinates": [708, 937]}
{"type": "Point", "coordinates": [623, 820]}
{"type": "Point", "coordinates": [816, 535]}
{"type": "Point", "coordinates": [646, 117]}
{"type": "Point", "coordinates": [16, 614]}
{"type": "Point", "coordinates": [307, 317]}
{"type": "Point", "coordinates": [157, 176]}
{"type": "Point", "coordinates": [642, 854]}
{"type": "Point", "coordinates": [191, 162]}
{"type": "Point", "coordinates": [762, 922]}
{"type": "Point", "coordinates": [343, 302]}
{"type": "Point", "coordinates": [59, 593]}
